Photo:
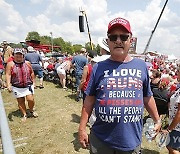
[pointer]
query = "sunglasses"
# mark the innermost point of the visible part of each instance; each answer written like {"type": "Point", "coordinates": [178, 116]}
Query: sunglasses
{"type": "Point", "coordinates": [123, 37]}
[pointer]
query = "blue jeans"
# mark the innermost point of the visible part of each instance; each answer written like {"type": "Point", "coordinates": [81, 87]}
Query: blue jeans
{"type": "Point", "coordinates": [39, 73]}
{"type": "Point", "coordinates": [78, 80]}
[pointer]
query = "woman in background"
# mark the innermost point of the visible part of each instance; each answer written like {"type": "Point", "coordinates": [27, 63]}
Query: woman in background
{"type": "Point", "coordinates": [174, 121]}
{"type": "Point", "coordinates": [20, 79]}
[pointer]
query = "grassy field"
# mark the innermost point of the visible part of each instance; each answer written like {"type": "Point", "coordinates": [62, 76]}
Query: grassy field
{"type": "Point", "coordinates": [55, 130]}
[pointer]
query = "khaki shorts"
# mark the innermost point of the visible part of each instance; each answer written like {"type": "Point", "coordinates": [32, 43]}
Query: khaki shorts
{"type": "Point", "coordinates": [98, 147]}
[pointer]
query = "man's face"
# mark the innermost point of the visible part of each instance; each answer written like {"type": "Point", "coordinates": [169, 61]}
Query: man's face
{"type": "Point", "coordinates": [119, 47]}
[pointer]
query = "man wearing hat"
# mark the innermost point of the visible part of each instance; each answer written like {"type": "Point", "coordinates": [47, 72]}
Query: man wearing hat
{"type": "Point", "coordinates": [79, 61]}
{"type": "Point", "coordinates": [34, 58]}
{"type": "Point", "coordinates": [118, 89]}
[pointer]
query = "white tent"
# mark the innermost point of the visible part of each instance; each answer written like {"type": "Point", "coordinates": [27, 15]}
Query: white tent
{"type": "Point", "coordinates": [171, 57]}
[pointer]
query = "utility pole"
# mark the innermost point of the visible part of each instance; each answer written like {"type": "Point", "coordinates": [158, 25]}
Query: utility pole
{"type": "Point", "coordinates": [52, 48]}
{"type": "Point", "coordinates": [84, 13]}
{"type": "Point", "coordinates": [147, 45]}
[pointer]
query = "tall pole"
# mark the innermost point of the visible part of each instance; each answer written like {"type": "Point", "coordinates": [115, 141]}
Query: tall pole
{"type": "Point", "coordinates": [147, 45]}
{"type": "Point", "coordinates": [84, 13]}
{"type": "Point", "coordinates": [52, 48]}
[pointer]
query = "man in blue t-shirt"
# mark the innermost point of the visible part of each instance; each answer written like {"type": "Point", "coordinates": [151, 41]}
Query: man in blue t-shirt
{"type": "Point", "coordinates": [119, 89]}
{"type": "Point", "coordinates": [34, 58]}
{"type": "Point", "coordinates": [79, 61]}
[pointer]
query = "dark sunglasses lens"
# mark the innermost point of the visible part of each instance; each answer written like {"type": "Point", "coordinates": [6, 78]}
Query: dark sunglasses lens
{"type": "Point", "coordinates": [113, 37]}
{"type": "Point", "coordinates": [124, 37]}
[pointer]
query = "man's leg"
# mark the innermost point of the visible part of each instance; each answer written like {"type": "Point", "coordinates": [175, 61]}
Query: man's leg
{"type": "Point", "coordinates": [78, 80]}
{"type": "Point", "coordinates": [40, 75]}
{"type": "Point", "coordinates": [35, 73]}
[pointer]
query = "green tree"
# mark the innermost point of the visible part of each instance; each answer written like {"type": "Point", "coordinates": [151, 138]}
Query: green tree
{"type": "Point", "coordinates": [45, 40]}
{"type": "Point", "coordinates": [13, 45]}
{"type": "Point", "coordinates": [68, 47]}
{"type": "Point", "coordinates": [33, 36]}
{"type": "Point", "coordinates": [60, 42]}
{"type": "Point", "coordinates": [76, 48]}
{"type": "Point", "coordinates": [97, 49]}
{"type": "Point", "coordinates": [88, 46]}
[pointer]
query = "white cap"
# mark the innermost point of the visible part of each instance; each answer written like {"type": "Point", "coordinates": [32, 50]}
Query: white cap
{"type": "Point", "coordinates": [103, 43]}
{"type": "Point", "coordinates": [30, 48]}
{"type": "Point", "coordinates": [18, 50]}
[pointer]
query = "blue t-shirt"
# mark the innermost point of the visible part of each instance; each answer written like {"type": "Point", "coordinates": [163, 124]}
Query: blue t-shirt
{"type": "Point", "coordinates": [119, 89]}
{"type": "Point", "coordinates": [34, 59]}
{"type": "Point", "coordinates": [80, 61]}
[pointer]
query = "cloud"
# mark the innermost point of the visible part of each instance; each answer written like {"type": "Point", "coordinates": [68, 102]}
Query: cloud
{"type": "Point", "coordinates": [12, 25]}
{"type": "Point", "coordinates": [36, 1]}
{"type": "Point", "coordinates": [61, 18]}
{"type": "Point", "coordinates": [165, 39]}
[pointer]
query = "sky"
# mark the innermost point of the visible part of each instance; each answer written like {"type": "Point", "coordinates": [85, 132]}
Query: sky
{"type": "Point", "coordinates": [18, 17]}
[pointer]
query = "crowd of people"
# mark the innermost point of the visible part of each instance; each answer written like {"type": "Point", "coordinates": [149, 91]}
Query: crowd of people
{"type": "Point", "coordinates": [115, 88]}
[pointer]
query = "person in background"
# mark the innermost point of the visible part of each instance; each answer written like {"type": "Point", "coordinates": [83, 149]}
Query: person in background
{"type": "Point", "coordinates": [62, 70]}
{"type": "Point", "coordinates": [20, 79]}
{"type": "Point", "coordinates": [161, 96]}
{"type": "Point", "coordinates": [87, 72]}
{"type": "Point", "coordinates": [78, 62]}
{"type": "Point", "coordinates": [7, 52]}
{"type": "Point", "coordinates": [118, 89]}
{"type": "Point", "coordinates": [174, 121]}
{"type": "Point", "coordinates": [2, 84]}
{"type": "Point", "coordinates": [104, 49]}
{"type": "Point", "coordinates": [155, 79]}
{"type": "Point", "coordinates": [35, 59]}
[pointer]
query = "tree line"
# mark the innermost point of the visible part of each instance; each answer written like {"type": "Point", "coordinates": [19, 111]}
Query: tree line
{"type": "Point", "coordinates": [66, 46]}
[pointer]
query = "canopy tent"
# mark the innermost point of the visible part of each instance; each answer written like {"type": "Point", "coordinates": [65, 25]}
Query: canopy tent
{"type": "Point", "coordinates": [171, 57]}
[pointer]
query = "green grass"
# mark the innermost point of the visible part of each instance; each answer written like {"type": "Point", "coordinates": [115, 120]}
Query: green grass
{"type": "Point", "coordinates": [55, 130]}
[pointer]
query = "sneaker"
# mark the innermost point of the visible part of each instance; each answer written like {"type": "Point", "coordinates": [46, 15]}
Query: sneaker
{"type": "Point", "coordinates": [77, 99]}
{"type": "Point", "coordinates": [23, 119]}
{"type": "Point", "coordinates": [33, 114]}
{"type": "Point", "coordinates": [41, 86]}
{"type": "Point", "coordinates": [65, 88]}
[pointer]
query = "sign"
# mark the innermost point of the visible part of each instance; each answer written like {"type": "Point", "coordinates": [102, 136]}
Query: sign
{"type": "Point", "coordinates": [133, 45]}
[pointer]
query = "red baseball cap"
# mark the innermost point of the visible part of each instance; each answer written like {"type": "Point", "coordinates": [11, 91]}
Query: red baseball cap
{"type": "Point", "coordinates": [119, 22]}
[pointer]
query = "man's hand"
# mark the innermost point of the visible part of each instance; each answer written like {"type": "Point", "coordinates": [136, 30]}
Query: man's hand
{"type": "Point", "coordinates": [83, 139]}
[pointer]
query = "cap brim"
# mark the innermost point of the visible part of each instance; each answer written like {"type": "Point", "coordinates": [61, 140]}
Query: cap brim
{"type": "Point", "coordinates": [18, 52]}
